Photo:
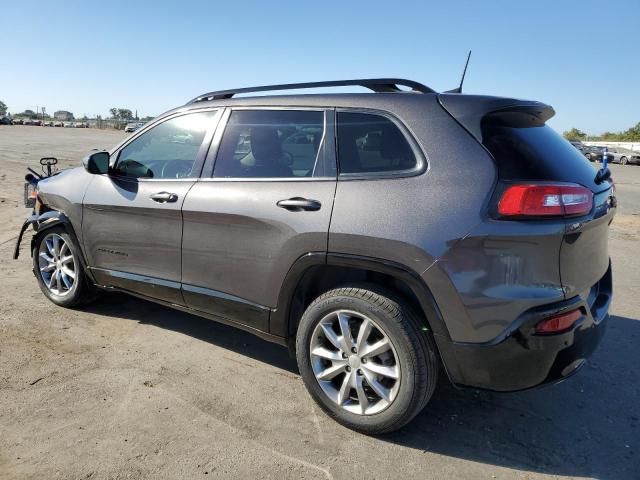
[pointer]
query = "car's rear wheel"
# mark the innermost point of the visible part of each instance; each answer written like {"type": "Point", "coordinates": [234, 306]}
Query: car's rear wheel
{"type": "Point", "coordinates": [59, 270]}
{"type": "Point", "coordinates": [624, 160]}
{"type": "Point", "coordinates": [365, 359]}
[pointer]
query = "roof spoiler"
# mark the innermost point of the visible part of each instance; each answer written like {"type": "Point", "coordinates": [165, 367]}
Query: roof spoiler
{"type": "Point", "coordinates": [470, 110]}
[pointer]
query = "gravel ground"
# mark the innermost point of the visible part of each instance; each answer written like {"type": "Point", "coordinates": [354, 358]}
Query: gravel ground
{"type": "Point", "coordinates": [129, 389]}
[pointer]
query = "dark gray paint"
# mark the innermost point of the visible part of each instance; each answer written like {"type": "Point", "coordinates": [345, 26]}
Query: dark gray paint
{"type": "Point", "coordinates": [238, 241]}
{"type": "Point", "coordinates": [584, 252]}
{"type": "Point", "coordinates": [125, 230]}
{"type": "Point", "coordinates": [65, 192]}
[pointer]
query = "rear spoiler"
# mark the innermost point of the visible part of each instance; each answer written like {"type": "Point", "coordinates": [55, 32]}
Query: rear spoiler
{"type": "Point", "coordinates": [471, 110]}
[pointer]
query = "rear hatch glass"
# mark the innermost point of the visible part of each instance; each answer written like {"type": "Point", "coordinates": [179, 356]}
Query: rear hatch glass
{"type": "Point", "coordinates": [537, 153]}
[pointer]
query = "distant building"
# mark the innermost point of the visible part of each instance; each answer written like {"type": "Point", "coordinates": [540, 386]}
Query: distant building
{"type": "Point", "coordinates": [63, 115]}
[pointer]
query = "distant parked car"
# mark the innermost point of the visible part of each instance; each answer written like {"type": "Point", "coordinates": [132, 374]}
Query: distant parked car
{"type": "Point", "coordinates": [17, 121]}
{"type": "Point", "coordinates": [36, 122]}
{"type": "Point", "coordinates": [58, 124]}
{"type": "Point", "coordinates": [5, 120]}
{"type": "Point", "coordinates": [579, 145]}
{"type": "Point", "coordinates": [67, 124]}
{"type": "Point", "coordinates": [79, 125]}
{"type": "Point", "coordinates": [132, 127]}
{"type": "Point", "coordinates": [623, 156]}
{"type": "Point", "coordinates": [27, 121]}
{"type": "Point", "coordinates": [594, 154]}
{"type": "Point", "coordinates": [48, 123]}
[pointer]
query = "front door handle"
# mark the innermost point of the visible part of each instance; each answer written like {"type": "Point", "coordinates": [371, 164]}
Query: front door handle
{"type": "Point", "coordinates": [298, 204]}
{"type": "Point", "coordinates": [164, 197]}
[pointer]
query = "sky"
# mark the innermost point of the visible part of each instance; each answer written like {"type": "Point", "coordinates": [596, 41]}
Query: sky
{"type": "Point", "coordinates": [581, 57]}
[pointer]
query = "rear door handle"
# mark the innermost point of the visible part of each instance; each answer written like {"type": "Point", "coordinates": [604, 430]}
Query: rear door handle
{"type": "Point", "coordinates": [298, 204]}
{"type": "Point", "coordinates": [164, 197]}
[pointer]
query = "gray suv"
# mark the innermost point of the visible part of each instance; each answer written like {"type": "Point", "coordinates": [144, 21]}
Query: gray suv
{"type": "Point", "coordinates": [383, 237]}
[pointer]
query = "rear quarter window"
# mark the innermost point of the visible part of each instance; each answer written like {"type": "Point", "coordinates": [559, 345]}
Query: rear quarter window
{"type": "Point", "coordinates": [372, 144]}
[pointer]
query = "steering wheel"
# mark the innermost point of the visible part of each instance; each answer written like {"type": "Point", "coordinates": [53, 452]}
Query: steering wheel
{"type": "Point", "coordinates": [176, 169]}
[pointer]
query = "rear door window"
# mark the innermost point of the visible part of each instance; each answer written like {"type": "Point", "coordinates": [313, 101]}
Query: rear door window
{"type": "Point", "coordinates": [270, 144]}
{"type": "Point", "coordinates": [372, 144]}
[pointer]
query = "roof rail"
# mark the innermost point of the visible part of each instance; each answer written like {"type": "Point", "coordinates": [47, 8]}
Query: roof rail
{"type": "Point", "coordinates": [378, 85]}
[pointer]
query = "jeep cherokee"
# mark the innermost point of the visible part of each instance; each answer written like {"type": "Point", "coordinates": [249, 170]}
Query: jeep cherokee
{"type": "Point", "coordinates": [381, 236]}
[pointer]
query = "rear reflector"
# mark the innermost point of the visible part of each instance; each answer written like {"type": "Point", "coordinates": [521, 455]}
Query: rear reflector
{"type": "Point", "coordinates": [535, 200]}
{"type": "Point", "coordinates": [558, 323]}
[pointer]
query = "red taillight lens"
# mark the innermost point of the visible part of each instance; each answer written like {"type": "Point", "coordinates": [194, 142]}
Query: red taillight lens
{"type": "Point", "coordinates": [531, 200]}
{"type": "Point", "coordinates": [558, 323]}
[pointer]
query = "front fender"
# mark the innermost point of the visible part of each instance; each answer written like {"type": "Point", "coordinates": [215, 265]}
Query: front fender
{"type": "Point", "coordinates": [43, 222]}
{"type": "Point", "coordinates": [27, 223]}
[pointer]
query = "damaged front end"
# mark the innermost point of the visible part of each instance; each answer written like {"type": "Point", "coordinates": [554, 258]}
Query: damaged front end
{"type": "Point", "coordinates": [31, 200]}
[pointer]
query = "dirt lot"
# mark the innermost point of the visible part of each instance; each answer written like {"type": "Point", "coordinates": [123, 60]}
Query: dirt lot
{"type": "Point", "coordinates": [129, 389]}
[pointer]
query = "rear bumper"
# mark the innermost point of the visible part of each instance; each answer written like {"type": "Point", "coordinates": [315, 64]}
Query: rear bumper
{"type": "Point", "coordinates": [520, 359]}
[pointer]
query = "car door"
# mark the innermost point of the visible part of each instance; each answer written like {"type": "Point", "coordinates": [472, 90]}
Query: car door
{"type": "Point", "coordinates": [267, 202]}
{"type": "Point", "coordinates": [132, 219]}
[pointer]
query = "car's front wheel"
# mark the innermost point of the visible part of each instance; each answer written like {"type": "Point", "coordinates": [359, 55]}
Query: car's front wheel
{"type": "Point", "coordinates": [624, 160]}
{"type": "Point", "coordinates": [58, 269]}
{"type": "Point", "coordinates": [366, 359]}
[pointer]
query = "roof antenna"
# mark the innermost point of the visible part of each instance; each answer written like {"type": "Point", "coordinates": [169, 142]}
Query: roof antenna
{"type": "Point", "coordinates": [464, 72]}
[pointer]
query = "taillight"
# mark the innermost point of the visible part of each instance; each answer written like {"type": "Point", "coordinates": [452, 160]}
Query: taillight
{"type": "Point", "coordinates": [558, 323]}
{"type": "Point", "coordinates": [536, 200]}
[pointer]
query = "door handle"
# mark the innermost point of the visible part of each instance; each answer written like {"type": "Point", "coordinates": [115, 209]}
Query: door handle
{"type": "Point", "coordinates": [164, 197]}
{"type": "Point", "coordinates": [298, 204]}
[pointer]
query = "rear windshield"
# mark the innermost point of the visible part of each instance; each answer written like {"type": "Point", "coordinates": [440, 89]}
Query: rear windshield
{"type": "Point", "coordinates": [537, 153]}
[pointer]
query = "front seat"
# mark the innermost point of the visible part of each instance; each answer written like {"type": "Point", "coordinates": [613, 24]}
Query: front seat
{"type": "Point", "coordinates": [267, 152]}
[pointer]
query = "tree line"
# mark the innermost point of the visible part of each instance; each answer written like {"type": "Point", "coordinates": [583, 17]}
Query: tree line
{"type": "Point", "coordinates": [126, 114]}
{"type": "Point", "coordinates": [116, 114]}
{"type": "Point", "coordinates": [630, 135]}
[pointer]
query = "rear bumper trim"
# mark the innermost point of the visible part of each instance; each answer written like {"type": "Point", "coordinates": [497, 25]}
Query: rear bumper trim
{"type": "Point", "coordinates": [525, 360]}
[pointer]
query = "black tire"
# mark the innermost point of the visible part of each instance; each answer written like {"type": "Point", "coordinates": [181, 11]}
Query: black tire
{"type": "Point", "coordinates": [624, 161]}
{"type": "Point", "coordinates": [414, 348]}
{"type": "Point", "coordinates": [82, 292]}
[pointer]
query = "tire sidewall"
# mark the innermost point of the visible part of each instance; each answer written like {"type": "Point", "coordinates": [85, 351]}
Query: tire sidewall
{"type": "Point", "coordinates": [403, 348]}
{"type": "Point", "coordinates": [75, 295]}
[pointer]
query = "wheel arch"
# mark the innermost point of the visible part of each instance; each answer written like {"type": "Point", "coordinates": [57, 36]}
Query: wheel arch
{"type": "Point", "coordinates": [55, 218]}
{"type": "Point", "coordinates": [315, 273]}
{"type": "Point", "coordinates": [312, 269]}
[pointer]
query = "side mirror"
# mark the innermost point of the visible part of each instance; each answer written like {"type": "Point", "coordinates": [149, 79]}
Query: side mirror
{"type": "Point", "coordinates": [96, 163]}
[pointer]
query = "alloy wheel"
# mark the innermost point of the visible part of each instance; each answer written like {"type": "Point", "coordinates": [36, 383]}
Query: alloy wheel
{"type": "Point", "coordinates": [57, 265]}
{"type": "Point", "coordinates": [355, 362]}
